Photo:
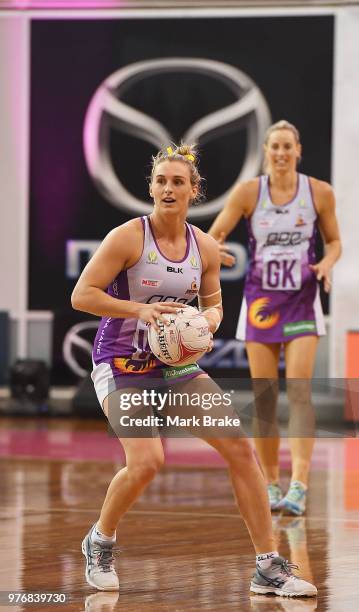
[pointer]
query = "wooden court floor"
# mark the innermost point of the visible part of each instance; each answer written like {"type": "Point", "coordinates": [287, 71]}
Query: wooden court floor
{"type": "Point", "coordinates": [184, 546]}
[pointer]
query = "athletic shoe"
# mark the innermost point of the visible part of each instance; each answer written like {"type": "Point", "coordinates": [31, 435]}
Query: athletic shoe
{"type": "Point", "coordinates": [295, 500]}
{"type": "Point", "coordinates": [280, 580]}
{"type": "Point", "coordinates": [100, 571]}
{"type": "Point", "coordinates": [274, 495]}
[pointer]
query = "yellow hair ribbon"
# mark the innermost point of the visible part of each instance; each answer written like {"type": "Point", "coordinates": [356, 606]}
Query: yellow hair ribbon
{"type": "Point", "coordinates": [189, 156]}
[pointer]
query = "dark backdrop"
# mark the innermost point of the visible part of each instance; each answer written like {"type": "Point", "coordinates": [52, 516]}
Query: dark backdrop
{"type": "Point", "coordinates": [289, 58]}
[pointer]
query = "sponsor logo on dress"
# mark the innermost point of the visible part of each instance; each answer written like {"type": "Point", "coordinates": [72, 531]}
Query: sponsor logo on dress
{"type": "Point", "coordinates": [148, 282]}
{"type": "Point", "coordinates": [174, 270]}
{"type": "Point", "coordinates": [282, 211]}
{"type": "Point", "coordinates": [178, 371]}
{"type": "Point", "coordinates": [152, 257]}
{"type": "Point", "coordinates": [194, 288]}
{"type": "Point", "coordinates": [265, 223]}
{"type": "Point", "coordinates": [194, 263]}
{"type": "Point", "coordinates": [300, 327]}
{"type": "Point", "coordinates": [284, 238]}
{"type": "Point", "coordinates": [260, 314]}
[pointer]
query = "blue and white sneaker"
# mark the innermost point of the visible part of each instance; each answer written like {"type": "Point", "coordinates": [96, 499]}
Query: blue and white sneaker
{"type": "Point", "coordinates": [279, 579]}
{"type": "Point", "coordinates": [294, 501]}
{"type": "Point", "coordinates": [275, 495]}
{"type": "Point", "coordinates": [100, 571]}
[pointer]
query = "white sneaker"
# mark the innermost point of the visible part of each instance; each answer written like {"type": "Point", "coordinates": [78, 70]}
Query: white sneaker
{"type": "Point", "coordinates": [100, 571]}
{"type": "Point", "coordinates": [280, 580]}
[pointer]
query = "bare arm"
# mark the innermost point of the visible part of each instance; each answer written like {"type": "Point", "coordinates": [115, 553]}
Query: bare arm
{"type": "Point", "coordinates": [241, 202]}
{"type": "Point", "coordinates": [325, 203]}
{"type": "Point", "coordinates": [210, 300]}
{"type": "Point", "coordinates": [120, 249]}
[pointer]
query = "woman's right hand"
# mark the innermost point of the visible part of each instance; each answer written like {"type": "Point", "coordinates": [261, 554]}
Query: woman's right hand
{"type": "Point", "coordinates": [150, 313]}
{"type": "Point", "coordinates": [227, 259]}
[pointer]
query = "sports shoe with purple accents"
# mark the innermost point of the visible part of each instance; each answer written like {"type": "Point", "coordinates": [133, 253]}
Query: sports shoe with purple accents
{"type": "Point", "coordinates": [279, 579]}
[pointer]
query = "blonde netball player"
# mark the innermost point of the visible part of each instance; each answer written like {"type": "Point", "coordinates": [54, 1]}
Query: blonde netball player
{"type": "Point", "coordinates": [143, 269]}
{"type": "Point", "coordinates": [281, 304]}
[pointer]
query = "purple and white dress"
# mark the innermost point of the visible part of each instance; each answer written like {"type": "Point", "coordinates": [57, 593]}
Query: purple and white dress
{"type": "Point", "coordinates": [281, 296]}
{"type": "Point", "coordinates": [121, 353]}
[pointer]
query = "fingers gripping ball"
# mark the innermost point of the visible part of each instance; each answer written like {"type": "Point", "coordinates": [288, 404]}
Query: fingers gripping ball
{"type": "Point", "coordinates": [185, 340]}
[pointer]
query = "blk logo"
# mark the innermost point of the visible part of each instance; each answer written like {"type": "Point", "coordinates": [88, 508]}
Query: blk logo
{"type": "Point", "coordinates": [175, 270]}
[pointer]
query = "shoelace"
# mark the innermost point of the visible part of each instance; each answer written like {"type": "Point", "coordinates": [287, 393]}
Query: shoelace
{"type": "Point", "coordinates": [286, 568]}
{"type": "Point", "coordinates": [104, 558]}
{"type": "Point", "coordinates": [295, 492]}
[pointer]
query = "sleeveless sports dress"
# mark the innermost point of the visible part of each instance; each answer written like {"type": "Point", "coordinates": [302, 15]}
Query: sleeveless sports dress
{"type": "Point", "coordinates": [281, 296]}
{"type": "Point", "coordinates": [121, 353]}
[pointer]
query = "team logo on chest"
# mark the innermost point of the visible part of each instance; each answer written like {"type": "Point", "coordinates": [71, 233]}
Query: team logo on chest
{"type": "Point", "coordinates": [194, 288]}
{"type": "Point", "coordinates": [300, 221]}
{"type": "Point", "coordinates": [152, 258]}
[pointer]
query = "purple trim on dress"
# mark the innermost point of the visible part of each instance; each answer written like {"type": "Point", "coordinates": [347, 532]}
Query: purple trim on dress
{"type": "Point", "coordinates": [251, 240]}
{"type": "Point", "coordinates": [312, 242]}
{"type": "Point", "coordinates": [313, 238]}
{"type": "Point", "coordinates": [193, 233]}
{"type": "Point", "coordinates": [248, 219]}
{"type": "Point", "coordinates": [312, 195]}
{"type": "Point", "coordinates": [123, 286]}
{"type": "Point", "coordinates": [295, 195]}
{"type": "Point", "coordinates": [159, 250]}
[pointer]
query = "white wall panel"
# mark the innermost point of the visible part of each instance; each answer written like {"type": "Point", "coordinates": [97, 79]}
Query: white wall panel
{"type": "Point", "coordinates": [345, 296]}
{"type": "Point", "coordinates": [14, 104]}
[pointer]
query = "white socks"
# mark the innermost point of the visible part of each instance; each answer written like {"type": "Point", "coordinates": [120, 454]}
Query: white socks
{"type": "Point", "coordinates": [97, 536]}
{"type": "Point", "coordinates": [264, 560]}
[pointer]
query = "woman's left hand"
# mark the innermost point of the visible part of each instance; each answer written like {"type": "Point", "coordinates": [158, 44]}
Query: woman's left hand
{"type": "Point", "coordinates": [322, 272]}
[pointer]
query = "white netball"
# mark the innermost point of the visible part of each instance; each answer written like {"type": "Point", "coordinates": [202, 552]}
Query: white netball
{"type": "Point", "coordinates": [183, 341]}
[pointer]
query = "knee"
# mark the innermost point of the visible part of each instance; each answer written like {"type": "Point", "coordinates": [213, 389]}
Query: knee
{"type": "Point", "coordinates": [299, 392]}
{"type": "Point", "coordinates": [237, 452]}
{"type": "Point", "coordinates": [144, 469]}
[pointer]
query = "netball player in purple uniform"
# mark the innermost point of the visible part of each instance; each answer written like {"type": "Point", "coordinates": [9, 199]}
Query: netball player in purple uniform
{"type": "Point", "coordinates": [143, 269]}
{"type": "Point", "coordinates": [281, 304]}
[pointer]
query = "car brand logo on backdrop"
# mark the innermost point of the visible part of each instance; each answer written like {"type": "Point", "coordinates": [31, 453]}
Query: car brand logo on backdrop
{"type": "Point", "coordinates": [77, 347]}
{"type": "Point", "coordinates": [107, 111]}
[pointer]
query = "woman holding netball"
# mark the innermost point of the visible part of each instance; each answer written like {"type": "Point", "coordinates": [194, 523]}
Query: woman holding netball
{"type": "Point", "coordinates": [281, 304]}
{"type": "Point", "coordinates": [143, 270]}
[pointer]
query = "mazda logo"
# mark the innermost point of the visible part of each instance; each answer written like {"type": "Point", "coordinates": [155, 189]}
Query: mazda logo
{"type": "Point", "coordinates": [77, 347]}
{"type": "Point", "coordinates": [107, 111]}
